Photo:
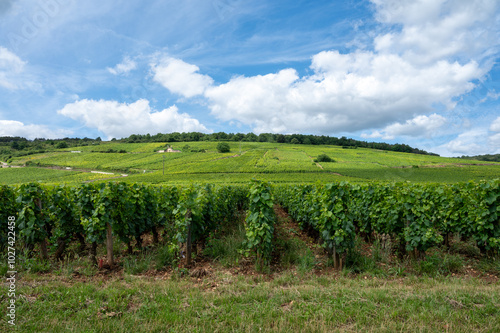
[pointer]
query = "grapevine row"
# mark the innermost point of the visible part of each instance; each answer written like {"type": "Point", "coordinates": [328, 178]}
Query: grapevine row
{"type": "Point", "coordinates": [91, 213]}
{"type": "Point", "coordinates": [420, 216]}
{"type": "Point", "coordinates": [259, 223]}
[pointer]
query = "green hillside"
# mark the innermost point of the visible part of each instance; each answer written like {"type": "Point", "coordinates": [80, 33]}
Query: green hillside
{"type": "Point", "coordinates": [277, 162]}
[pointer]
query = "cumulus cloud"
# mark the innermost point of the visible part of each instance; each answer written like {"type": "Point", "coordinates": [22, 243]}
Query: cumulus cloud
{"type": "Point", "coordinates": [495, 125]}
{"type": "Point", "coordinates": [420, 126]}
{"type": "Point", "coordinates": [469, 143]}
{"type": "Point", "coordinates": [431, 53]}
{"type": "Point", "coordinates": [17, 128]}
{"type": "Point", "coordinates": [494, 142]}
{"type": "Point", "coordinates": [10, 65]}
{"type": "Point", "coordinates": [124, 67]}
{"type": "Point", "coordinates": [494, 138]}
{"type": "Point", "coordinates": [259, 100]}
{"type": "Point", "coordinates": [431, 56]}
{"type": "Point", "coordinates": [435, 29]}
{"type": "Point", "coordinates": [180, 77]}
{"type": "Point", "coordinates": [476, 141]}
{"type": "Point", "coordinates": [346, 92]}
{"type": "Point", "coordinates": [118, 120]}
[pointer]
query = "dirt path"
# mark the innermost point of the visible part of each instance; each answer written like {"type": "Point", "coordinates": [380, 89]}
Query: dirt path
{"type": "Point", "coordinates": [291, 229]}
{"type": "Point", "coordinates": [317, 164]}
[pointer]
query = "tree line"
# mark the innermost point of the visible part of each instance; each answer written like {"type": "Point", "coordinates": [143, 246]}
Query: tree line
{"type": "Point", "coordinates": [21, 144]}
{"type": "Point", "coordinates": [306, 139]}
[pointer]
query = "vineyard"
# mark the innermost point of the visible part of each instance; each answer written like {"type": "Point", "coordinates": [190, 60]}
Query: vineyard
{"type": "Point", "coordinates": [200, 162]}
{"type": "Point", "coordinates": [51, 217]}
{"type": "Point", "coordinates": [415, 216]}
{"type": "Point", "coordinates": [103, 257]}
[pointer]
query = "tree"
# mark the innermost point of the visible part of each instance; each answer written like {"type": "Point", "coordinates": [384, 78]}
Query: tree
{"type": "Point", "coordinates": [324, 158]}
{"type": "Point", "coordinates": [250, 137]}
{"type": "Point", "coordinates": [62, 144]}
{"type": "Point", "coordinates": [295, 141]}
{"type": "Point", "coordinates": [223, 147]}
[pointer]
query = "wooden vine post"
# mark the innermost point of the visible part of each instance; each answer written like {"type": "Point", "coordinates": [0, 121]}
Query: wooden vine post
{"type": "Point", "coordinates": [109, 245]}
{"type": "Point", "coordinates": [188, 238]}
{"type": "Point", "coordinates": [43, 243]}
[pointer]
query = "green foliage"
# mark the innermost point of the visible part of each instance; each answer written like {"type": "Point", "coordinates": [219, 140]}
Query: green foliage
{"type": "Point", "coordinates": [335, 223]}
{"type": "Point", "coordinates": [323, 158]}
{"type": "Point", "coordinates": [103, 210]}
{"type": "Point", "coordinates": [8, 208]}
{"type": "Point", "coordinates": [64, 215]}
{"type": "Point", "coordinates": [167, 256]}
{"type": "Point", "coordinates": [189, 211]}
{"type": "Point", "coordinates": [85, 199]}
{"type": "Point", "coordinates": [417, 215]}
{"type": "Point", "coordinates": [223, 147]}
{"type": "Point", "coordinates": [62, 145]}
{"type": "Point", "coordinates": [34, 217]}
{"type": "Point", "coordinates": [259, 223]}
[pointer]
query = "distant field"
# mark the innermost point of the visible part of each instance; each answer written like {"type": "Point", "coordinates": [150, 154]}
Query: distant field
{"type": "Point", "coordinates": [47, 176]}
{"type": "Point", "coordinates": [283, 163]}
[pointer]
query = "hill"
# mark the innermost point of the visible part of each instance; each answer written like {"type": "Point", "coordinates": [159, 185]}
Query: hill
{"type": "Point", "coordinates": [200, 161]}
{"type": "Point", "coordinates": [487, 157]}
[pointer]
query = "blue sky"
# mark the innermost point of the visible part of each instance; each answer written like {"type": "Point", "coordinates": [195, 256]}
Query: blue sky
{"type": "Point", "coordinates": [424, 73]}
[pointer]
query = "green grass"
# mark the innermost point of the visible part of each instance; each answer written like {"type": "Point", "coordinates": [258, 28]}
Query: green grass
{"type": "Point", "coordinates": [280, 163]}
{"type": "Point", "coordinates": [227, 303]}
{"type": "Point", "coordinates": [225, 248]}
{"type": "Point", "coordinates": [47, 176]}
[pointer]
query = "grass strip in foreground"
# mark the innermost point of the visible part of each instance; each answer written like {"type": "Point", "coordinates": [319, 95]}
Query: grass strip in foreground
{"type": "Point", "coordinates": [223, 302]}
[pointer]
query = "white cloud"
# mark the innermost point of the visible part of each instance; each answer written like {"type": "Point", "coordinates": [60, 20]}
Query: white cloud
{"type": "Point", "coordinates": [493, 95]}
{"type": "Point", "coordinates": [258, 100]}
{"type": "Point", "coordinates": [436, 29]}
{"type": "Point", "coordinates": [410, 72]}
{"type": "Point", "coordinates": [429, 56]}
{"type": "Point", "coordinates": [10, 65]}
{"type": "Point", "coordinates": [17, 128]}
{"type": "Point", "coordinates": [346, 92]}
{"type": "Point", "coordinates": [180, 77]}
{"type": "Point", "coordinates": [124, 67]}
{"type": "Point", "coordinates": [469, 143]}
{"type": "Point", "coordinates": [495, 125]}
{"type": "Point", "coordinates": [478, 140]}
{"type": "Point", "coordinates": [420, 126]}
{"type": "Point", "coordinates": [494, 142]}
{"type": "Point", "coordinates": [117, 120]}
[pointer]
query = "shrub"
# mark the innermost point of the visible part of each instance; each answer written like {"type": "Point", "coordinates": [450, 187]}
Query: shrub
{"type": "Point", "coordinates": [223, 147]}
{"type": "Point", "coordinates": [62, 145]}
{"type": "Point", "coordinates": [324, 158]}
